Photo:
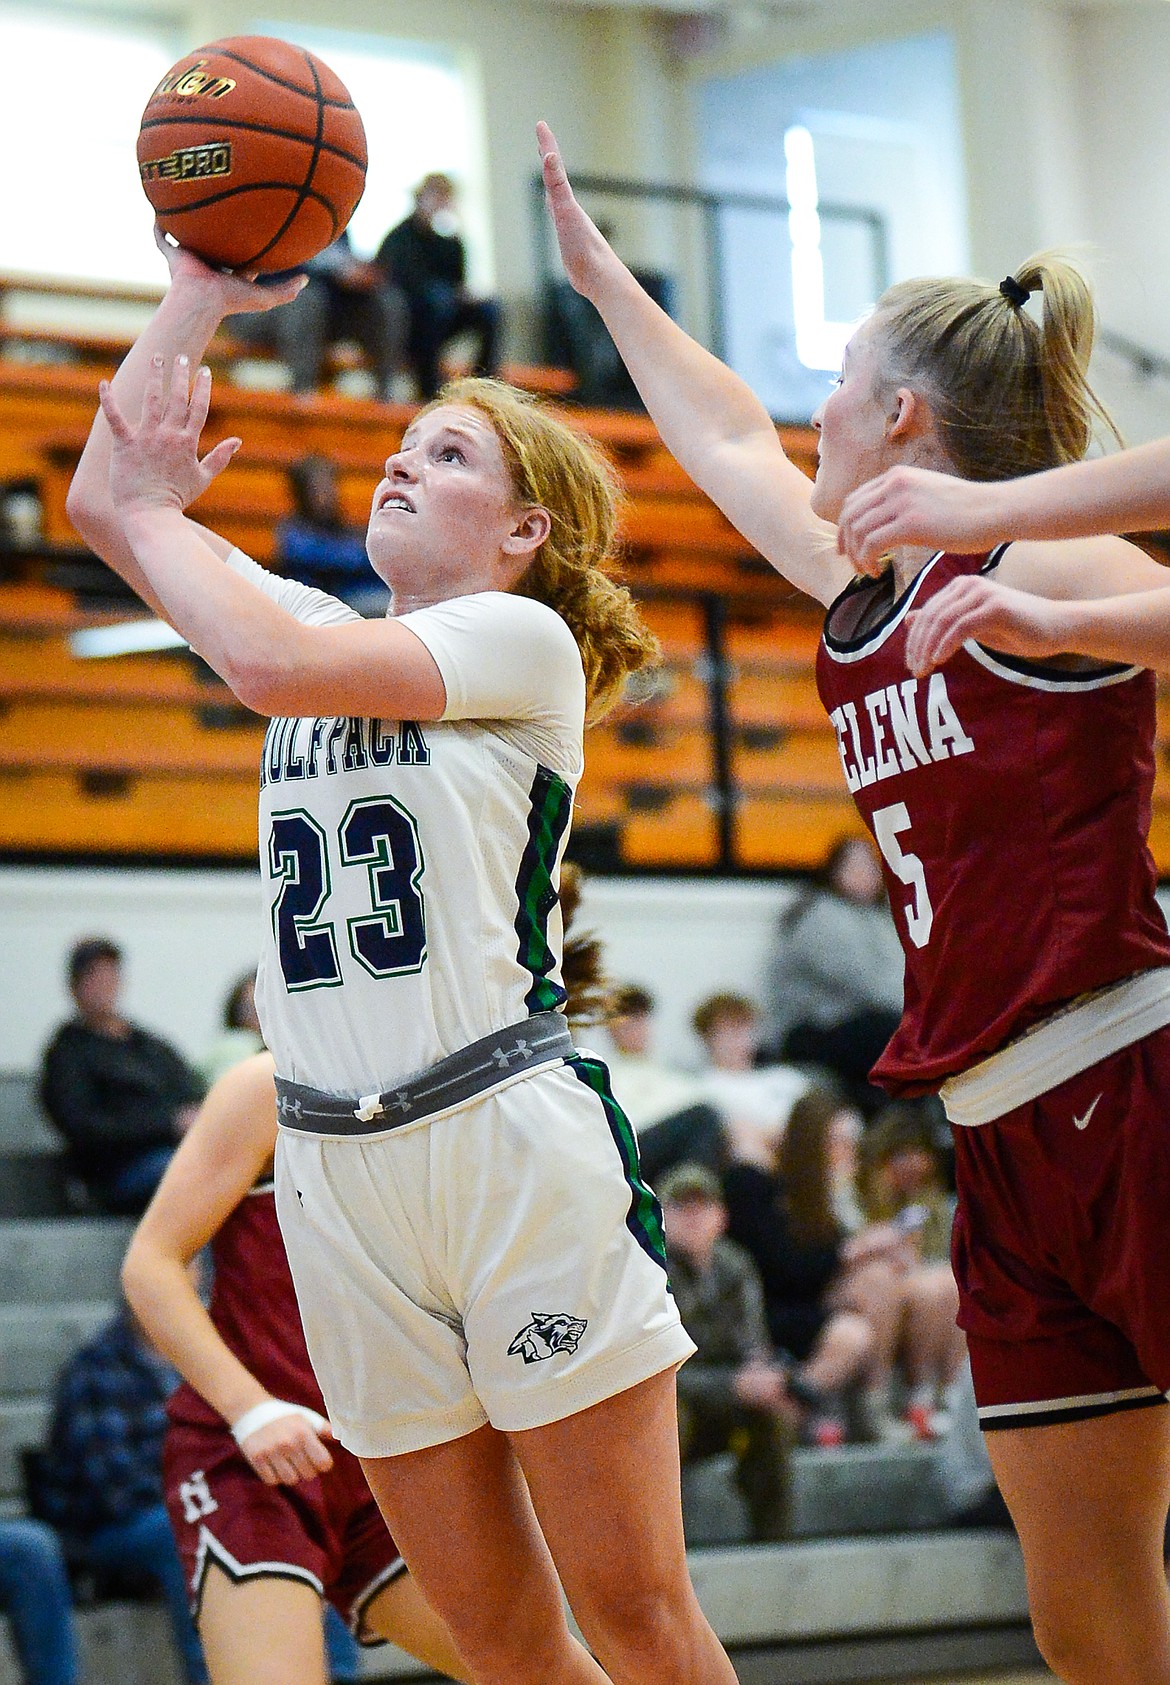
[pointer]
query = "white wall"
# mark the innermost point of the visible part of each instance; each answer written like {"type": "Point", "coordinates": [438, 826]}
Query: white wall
{"type": "Point", "coordinates": [1064, 134]}
{"type": "Point", "coordinates": [188, 935]}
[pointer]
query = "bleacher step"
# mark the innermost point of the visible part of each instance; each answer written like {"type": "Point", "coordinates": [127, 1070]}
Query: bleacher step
{"type": "Point", "coordinates": [35, 1341]}
{"type": "Point", "coordinates": [64, 1259]}
{"type": "Point", "coordinates": [24, 1422]}
{"type": "Point", "coordinates": [851, 1489]}
{"type": "Point", "coordinates": [23, 1125]}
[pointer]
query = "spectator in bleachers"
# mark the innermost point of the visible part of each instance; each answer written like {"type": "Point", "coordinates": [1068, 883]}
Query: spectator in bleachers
{"type": "Point", "coordinates": [903, 1182]}
{"type": "Point", "coordinates": [853, 1303]}
{"type": "Point", "coordinates": [317, 546]}
{"type": "Point", "coordinates": [120, 1096]}
{"type": "Point", "coordinates": [831, 1307]}
{"type": "Point", "coordinates": [426, 259]}
{"type": "Point", "coordinates": [748, 1096]}
{"type": "Point", "coordinates": [240, 1036]}
{"type": "Point", "coordinates": [670, 1116]}
{"type": "Point", "coordinates": [101, 1476]}
{"type": "Point", "coordinates": [733, 1394]}
{"type": "Point", "coordinates": [903, 1177]}
{"type": "Point", "coordinates": [35, 1595]}
{"type": "Point", "coordinates": [344, 298]}
{"type": "Point", "coordinates": [833, 991]}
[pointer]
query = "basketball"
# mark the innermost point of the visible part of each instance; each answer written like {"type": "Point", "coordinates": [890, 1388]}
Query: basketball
{"type": "Point", "coordinates": [252, 154]}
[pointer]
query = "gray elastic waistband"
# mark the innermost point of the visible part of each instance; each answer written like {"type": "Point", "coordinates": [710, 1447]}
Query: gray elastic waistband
{"type": "Point", "coordinates": [489, 1063]}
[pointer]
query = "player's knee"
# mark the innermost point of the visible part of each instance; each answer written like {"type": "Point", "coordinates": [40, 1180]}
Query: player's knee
{"type": "Point", "coordinates": [642, 1623]}
{"type": "Point", "coordinates": [515, 1638]}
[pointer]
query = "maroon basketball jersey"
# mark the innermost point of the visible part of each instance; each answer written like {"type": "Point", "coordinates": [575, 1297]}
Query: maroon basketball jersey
{"type": "Point", "coordinates": [1010, 802]}
{"type": "Point", "coordinates": [254, 1308]}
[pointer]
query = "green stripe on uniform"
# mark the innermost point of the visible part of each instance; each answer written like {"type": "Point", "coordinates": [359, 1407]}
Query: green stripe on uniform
{"type": "Point", "coordinates": [548, 821]}
{"type": "Point", "coordinates": [644, 1218]}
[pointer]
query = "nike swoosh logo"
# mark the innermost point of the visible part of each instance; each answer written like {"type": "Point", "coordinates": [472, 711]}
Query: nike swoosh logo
{"type": "Point", "coordinates": [1083, 1122]}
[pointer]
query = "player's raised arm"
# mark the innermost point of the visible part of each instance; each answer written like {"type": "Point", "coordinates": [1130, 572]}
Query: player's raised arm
{"type": "Point", "coordinates": [708, 417]}
{"type": "Point", "coordinates": [1126, 492]}
{"type": "Point", "coordinates": [196, 303]}
{"type": "Point", "coordinates": [226, 1149]}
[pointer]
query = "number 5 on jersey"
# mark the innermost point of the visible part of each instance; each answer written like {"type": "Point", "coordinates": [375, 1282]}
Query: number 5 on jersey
{"type": "Point", "coordinates": [888, 822]}
{"type": "Point", "coordinates": [391, 939]}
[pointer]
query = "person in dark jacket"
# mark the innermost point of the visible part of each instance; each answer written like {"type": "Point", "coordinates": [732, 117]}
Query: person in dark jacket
{"type": "Point", "coordinates": [120, 1096]}
{"type": "Point", "coordinates": [429, 266]}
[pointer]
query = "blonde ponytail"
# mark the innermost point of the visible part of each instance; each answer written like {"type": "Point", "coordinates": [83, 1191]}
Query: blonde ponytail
{"type": "Point", "coordinates": [1010, 394]}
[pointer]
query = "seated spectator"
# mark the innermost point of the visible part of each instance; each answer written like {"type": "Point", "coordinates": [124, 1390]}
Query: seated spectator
{"type": "Point", "coordinates": [120, 1096]}
{"type": "Point", "coordinates": [833, 991]}
{"type": "Point", "coordinates": [345, 298]}
{"type": "Point", "coordinates": [732, 1393]}
{"type": "Point", "coordinates": [101, 1476]}
{"type": "Point", "coordinates": [903, 1177]}
{"type": "Point", "coordinates": [576, 337]}
{"type": "Point", "coordinates": [240, 1036]}
{"type": "Point", "coordinates": [903, 1185]}
{"type": "Point", "coordinates": [672, 1120]}
{"type": "Point", "coordinates": [317, 546]}
{"type": "Point", "coordinates": [35, 1595]}
{"type": "Point", "coordinates": [748, 1096]}
{"type": "Point", "coordinates": [836, 1302]}
{"type": "Point", "coordinates": [427, 261]}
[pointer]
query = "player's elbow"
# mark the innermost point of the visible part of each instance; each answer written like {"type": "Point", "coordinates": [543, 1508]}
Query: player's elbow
{"type": "Point", "coordinates": [91, 516]}
{"type": "Point", "coordinates": [265, 680]}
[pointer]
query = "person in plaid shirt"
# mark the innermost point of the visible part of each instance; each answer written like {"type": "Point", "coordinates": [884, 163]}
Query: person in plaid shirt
{"type": "Point", "coordinates": [102, 1470]}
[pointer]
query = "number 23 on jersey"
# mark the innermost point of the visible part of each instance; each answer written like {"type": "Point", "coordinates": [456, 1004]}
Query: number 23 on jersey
{"type": "Point", "coordinates": [377, 834]}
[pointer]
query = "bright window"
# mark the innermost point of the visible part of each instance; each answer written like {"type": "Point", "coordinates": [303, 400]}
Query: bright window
{"type": "Point", "coordinates": [73, 95]}
{"type": "Point", "coordinates": [421, 112]}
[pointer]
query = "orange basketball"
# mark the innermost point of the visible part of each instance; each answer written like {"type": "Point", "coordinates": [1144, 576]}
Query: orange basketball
{"type": "Point", "coordinates": [252, 153]}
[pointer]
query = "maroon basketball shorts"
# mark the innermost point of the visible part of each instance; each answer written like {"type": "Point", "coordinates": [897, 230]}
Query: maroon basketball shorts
{"type": "Point", "coordinates": [1062, 1245]}
{"type": "Point", "coordinates": [326, 1532]}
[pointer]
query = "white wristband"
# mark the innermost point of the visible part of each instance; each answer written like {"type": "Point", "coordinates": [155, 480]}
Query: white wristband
{"type": "Point", "coordinates": [271, 1410]}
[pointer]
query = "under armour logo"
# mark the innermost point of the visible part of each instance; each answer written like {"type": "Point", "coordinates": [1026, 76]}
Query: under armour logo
{"type": "Point", "coordinates": [1083, 1122]}
{"type": "Point", "coordinates": [401, 1102]}
{"type": "Point", "coordinates": [195, 1496]}
{"type": "Point", "coordinates": [504, 1056]}
{"type": "Point", "coordinates": [288, 1107]}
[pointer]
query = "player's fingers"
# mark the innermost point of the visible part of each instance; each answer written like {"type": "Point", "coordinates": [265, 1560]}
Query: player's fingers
{"type": "Point", "coordinates": [176, 402]}
{"type": "Point", "coordinates": [317, 1458]}
{"type": "Point", "coordinates": [115, 420]}
{"type": "Point", "coordinates": [152, 394]}
{"type": "Point", "coordinates": [284, 1468]}
{"type": "Point", "coordinates": [218, 458]}
{"type": "Point", "coordinates": [200, 400]}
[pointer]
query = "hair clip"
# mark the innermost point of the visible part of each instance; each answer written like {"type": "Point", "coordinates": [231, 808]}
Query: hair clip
{"type": "Point", "coordinates": [1014, 292]}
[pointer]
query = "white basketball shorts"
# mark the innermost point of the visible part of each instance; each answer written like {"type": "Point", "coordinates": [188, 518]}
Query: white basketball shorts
{"type": "Point", "coordinates": [501, 1264]}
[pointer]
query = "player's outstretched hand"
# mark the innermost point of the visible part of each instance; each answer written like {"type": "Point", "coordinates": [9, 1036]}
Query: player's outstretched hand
{"type": "Point", "coordinates": [996, 615]}
{"type": "Point", "coordinates": [289, 1449]}
{"type": "Point", "coordinates": [917, 506]}
{"type": "Point", "coordinates": [156, 465]}
{"type": "Point", "coordinates": [234, 295]}
{"type": "Point", "coordinates": [584, 248]}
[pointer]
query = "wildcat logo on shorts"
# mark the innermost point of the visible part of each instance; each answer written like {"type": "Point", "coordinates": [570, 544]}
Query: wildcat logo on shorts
{"type": "Point", "coordinates": [547, 1336]}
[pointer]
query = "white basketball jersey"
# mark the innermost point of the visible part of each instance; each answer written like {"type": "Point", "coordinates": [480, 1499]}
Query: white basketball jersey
{"type": "Point", "coordinates": [410, 870]}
